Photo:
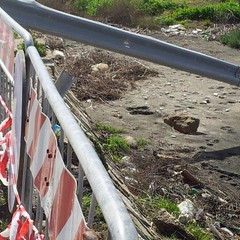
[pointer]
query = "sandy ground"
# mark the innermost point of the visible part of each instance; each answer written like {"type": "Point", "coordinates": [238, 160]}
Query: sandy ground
{"type": "Point", "coordinates": [215, 103]}
{"type": "Point", "coordinates": [213, 153]}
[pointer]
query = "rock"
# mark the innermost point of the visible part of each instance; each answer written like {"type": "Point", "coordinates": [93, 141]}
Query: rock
{"type": "Point", "coordinates": [131, 141]}
{"type": "Point", "coordinates": [200, 217]}
{"type": "Point", "coordinates": [187, 211]}
{"type": "Point", "coordinates": [167, 225]}
{"type": "Point", "coordinates": [117, 115]}
{"type": "Point", "coordinates": [182, 123]}
{"type": "Point", "coordinates": [90, 234]}
{"type": "Point", "coordinates": [100, 67]}
{"type": "Point", "coordinates": [59, 55]}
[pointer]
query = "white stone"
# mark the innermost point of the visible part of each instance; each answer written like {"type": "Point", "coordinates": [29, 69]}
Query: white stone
{"type": "Point", "coordinates": [131, 141]}
{"type": "Point", "coordinates": [58, 54]}
{"type": "Point", "coordinates": [102, 67]}
{"type": "Point", "coordinates": [187, 211]}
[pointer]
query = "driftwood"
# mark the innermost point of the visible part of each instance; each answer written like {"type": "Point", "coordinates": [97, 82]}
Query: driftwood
{"type": "Point", "coordinates": [143, 226]}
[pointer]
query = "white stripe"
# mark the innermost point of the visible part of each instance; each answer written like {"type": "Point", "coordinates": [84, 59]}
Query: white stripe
{"type": "Point", "coordinates": [41, 149]}
{"type": "Point", "coordinates": [71, 227]}
{"type": "Point", "coordinates": [31, 126]}
{"type": "Point", "coordinates": [9, 41]}
{"type": "Point", "coordinates": [47, 200]}
{"type": "Point", "coordinates": [2, 35]}
{"type": "Point", "coordinates": [5, 69]}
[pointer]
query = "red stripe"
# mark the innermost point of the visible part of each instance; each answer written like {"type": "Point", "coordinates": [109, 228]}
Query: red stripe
{"type": "Point", "coordinates": [81, 230]}
{"type": "Point", "coordinates": [3, 164]}
{"type": "Point", "coordinates": [62, 204]}
{"type": "Point", "coordinates": [5, 124]}
{"type": "Point", "coordinates": [39, 120]}
{"type": "Point", "coordinates": [44, 176]}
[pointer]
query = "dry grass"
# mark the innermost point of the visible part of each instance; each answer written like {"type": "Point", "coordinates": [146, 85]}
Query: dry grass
{"type": "Point", "coordinates": [104, 85]}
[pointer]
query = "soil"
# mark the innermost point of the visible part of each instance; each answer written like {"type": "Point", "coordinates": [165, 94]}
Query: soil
{"type": "Point", "coordinates": [136, 96]}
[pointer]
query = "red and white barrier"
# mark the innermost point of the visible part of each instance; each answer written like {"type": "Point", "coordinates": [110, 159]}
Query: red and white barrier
{"type": "Point", "coordinates": [56, 185]}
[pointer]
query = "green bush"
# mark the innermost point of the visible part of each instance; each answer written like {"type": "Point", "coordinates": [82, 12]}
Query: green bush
{"type": "Point", "coordinates": [231, 39]}
{"type": "Point", "coordinates": [155, 7]}
{"type": "Point", "coordinates": [223, 12]}
{"type": "Point", "coordinates": [91, 7]}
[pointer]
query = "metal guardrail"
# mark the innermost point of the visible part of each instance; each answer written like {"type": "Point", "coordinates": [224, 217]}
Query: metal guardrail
{"type": "Point", "coordinates": [120, 225]}
{"type": "Point", "coordinates": [36, 16]}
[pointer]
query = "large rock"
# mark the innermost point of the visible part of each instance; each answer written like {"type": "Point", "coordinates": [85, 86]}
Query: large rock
{"type": "Point", "coordinates": [167, 225]}
{"type": "Point", "coordinates": [132, 142]}
{"type": "Point", "coordinates": [182, 123]}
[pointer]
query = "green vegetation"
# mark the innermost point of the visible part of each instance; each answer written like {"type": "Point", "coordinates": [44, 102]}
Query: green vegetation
{"type": "Point", "coordinates": [41, 48]}
{"type": "Point", "coordinates": [165, 12]}
{"type": "Point", "coordinates": [231, 39]}
{"type": "Point", "coordinates": [117, 147]}
{"type": "Point", "coordinates": [114, 144]}
{"type": "Point", "coordinates": [99, 221]}
{"type": "Point", "coordinates": [199, 233]}
{"type": "Point", "coordinates": [142, 143]}
{"type": "Point", "coordinates": [109, 129]}
{"type": "Point", "coordinates": [153, 204]}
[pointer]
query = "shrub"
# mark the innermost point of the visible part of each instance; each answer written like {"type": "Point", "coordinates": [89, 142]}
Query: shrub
{"type": "Point", "coordinates": [231, 39]}
{"type": "Point", "coordinates": [155, 7]}
{"type": "Point", "coordinates": [223, 12]}
{"type": "Point", "coordinates": [91, 7]}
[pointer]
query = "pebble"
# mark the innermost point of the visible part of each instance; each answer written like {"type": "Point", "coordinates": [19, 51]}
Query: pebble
{"type": "Point", "coordinates": [145, 97]}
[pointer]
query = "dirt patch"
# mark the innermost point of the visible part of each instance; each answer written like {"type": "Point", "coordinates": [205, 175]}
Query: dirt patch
{"type": "Point", "coordinates": [136, 96]}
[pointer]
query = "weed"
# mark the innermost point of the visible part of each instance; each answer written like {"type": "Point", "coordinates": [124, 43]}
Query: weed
{"type": "Point", "coordinates": [39, 46]}
{"type": "Point", "coordinates": [231, 39]}
{"type": "Point", "coordinates": [198, 232]}
{"type": "Point", "coordinates": [152, 205]}
{"type": "Point", "coordinates": [116, 146]}
{"type": "Point", "coordinates": [109, 129]}
{"type": "Point", "coordinates": [99, 221]}
{"type": "Point", "coordinates": [142, 143]}
{"type": "Point", "coordinates": [16, 35]}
